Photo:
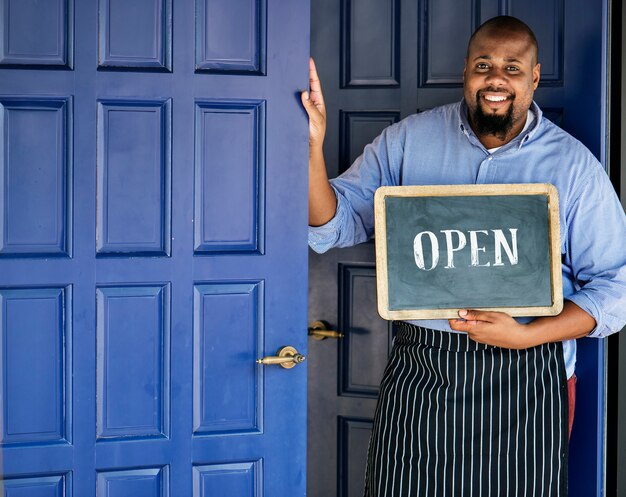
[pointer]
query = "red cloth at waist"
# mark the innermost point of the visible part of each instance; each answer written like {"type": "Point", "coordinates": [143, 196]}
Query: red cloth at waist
{"type": "Point", "coordinates": [571, 397]}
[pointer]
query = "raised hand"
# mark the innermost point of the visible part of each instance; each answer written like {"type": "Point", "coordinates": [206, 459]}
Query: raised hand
{"type": "Point", "coordinates": [314, 105]}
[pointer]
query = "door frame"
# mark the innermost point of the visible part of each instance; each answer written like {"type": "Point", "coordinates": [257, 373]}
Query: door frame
{"type": "Point", "coordinates": [615, 347]}
{"type": "Point", "coordinates": [615, 371]}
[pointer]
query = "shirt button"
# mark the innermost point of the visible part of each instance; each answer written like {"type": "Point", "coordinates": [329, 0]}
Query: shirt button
{"type": "Point", "coordinates": [489, 158]}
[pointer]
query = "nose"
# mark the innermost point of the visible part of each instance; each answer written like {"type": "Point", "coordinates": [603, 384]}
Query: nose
{"type": "Point", "coordinates": [496, 77]}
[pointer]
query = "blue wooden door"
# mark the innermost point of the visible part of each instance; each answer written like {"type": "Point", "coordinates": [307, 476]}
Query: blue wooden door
{"type": "Point", "coordinates": [380, 61]}
{"type": "Point", "coordinates": [152, 247]}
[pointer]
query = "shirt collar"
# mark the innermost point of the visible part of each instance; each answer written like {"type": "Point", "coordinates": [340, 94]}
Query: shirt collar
{"type": "Point", "coordinates": [521, 139]}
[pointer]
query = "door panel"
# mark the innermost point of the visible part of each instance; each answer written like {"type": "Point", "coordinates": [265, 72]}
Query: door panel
{"type": "Point", "coordinates": [52, 21]}
{"type": "Point", "coordinates": [361, 365]}
{"type": "Point", "coordinates": [236, 307]}
{"type": "Point", "coordinates": [34, 219]}
{"type": "Point", "coordinates": [380, 62]}
{"type": "Point", "coordinates": [123, 45]}
{"type": "Point", "coordinates": [230, 133]}
{"type": "Point", "coordinates": [152, 219]}
{"type": "Point", "coordinates": [231, 35]}
{"type": "Point", "coordinates": [372, 60]}
{"type": "Point", "coordinates": [34, 328]}
{"type": "Point", "coordinates": [138, 133]}
{"type": "Point", "coordinates": [132, 362]}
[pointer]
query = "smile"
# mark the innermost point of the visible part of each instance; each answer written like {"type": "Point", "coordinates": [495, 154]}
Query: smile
{"type": "Point", "coordinates": [494, 98]}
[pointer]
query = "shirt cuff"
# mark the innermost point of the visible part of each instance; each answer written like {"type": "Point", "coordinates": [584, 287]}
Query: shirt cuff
{"type": "Point", "coordinates": [324, 237]}
{"type": "Point", "coordinates": [587, 304]}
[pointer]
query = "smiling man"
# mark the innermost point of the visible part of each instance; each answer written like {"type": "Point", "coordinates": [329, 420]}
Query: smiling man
{"type": "Point", "coordinates": [479, 405]}
{"type": "Point", "coordinates": [501, 74]}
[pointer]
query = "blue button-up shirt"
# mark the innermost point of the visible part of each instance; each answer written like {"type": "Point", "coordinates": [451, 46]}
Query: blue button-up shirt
{"type": "Point", "coordinates": [438, 147]}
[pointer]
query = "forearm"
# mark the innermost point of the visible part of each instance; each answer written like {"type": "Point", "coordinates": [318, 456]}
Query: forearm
{"type": "Point", "coordinates": [571, 323]}
{"type": "Point", "coordinates": [501, 330]}
{"type": "Point", "coordinates": [322, 199]}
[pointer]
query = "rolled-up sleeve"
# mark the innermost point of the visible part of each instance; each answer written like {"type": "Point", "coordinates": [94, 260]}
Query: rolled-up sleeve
{"type": "Point", "coordinates": [597, 254]}
{"type": "Point", "coordinates": [353, 222]}
{"type": "Point", "coordinates": [322, 238]}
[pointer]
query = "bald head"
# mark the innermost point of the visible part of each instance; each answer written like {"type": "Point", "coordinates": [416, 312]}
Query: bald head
{"type": "Point", "coordinates": [506, 26]}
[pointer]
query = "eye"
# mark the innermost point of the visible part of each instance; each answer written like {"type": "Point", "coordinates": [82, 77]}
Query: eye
{"type": "Point", "coordinates": [482, 66]}
{"type": "Point", "coordinates": [512, 68]}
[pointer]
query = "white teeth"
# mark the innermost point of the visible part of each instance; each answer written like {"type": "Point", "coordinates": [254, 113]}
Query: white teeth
{"type": "Point", "coordinates": [493, 98]}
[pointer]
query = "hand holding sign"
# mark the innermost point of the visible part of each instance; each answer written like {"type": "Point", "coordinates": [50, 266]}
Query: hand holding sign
{"type": "Point", "coordinates": [493, 328]}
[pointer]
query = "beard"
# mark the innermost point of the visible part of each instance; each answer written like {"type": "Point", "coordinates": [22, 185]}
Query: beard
{"type": "Point", "coordinates": [491, 124]}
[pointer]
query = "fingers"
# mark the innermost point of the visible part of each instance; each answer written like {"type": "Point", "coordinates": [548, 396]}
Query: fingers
{"type": "Point", "coordinates": [315, 86]}
{"type": "Point", "coordinates": [466, 326]}
{"type": "Point", "coordinates": [304, 96]}
{"type": "Point", "coordinates": [317, 121]}
{"type": "Point", "coordinates": [485, 316]}
{"type": "Point", "coordinates": [314, 100]}
{"type": "Point", "coordinates": [309, 106]}
{"type": "Point", "coordinates": [472, 320]}
{"type": "Point", "coordinates": [314, 80]}
{"type": "Point", "coordinates": [313, 103]}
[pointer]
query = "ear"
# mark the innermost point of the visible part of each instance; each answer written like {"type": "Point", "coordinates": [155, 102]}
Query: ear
{"type": "Point", "coordinates": [536, 75]}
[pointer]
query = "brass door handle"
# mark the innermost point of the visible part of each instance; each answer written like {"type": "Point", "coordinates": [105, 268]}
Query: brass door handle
{"type": "Point", "coordinates": [317, 330]}
{"type": "Point", "coordinates": [287, 357]}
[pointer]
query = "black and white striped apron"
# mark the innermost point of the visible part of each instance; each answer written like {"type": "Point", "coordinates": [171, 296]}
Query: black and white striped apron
{"type": "Point", "coordinates": [456, 418]}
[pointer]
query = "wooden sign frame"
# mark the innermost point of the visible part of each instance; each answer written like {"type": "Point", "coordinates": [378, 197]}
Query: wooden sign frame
{"type": "Point", "coordinates": [382, 282]}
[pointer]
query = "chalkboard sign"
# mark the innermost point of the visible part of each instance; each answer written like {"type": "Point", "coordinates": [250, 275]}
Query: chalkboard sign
{"type": "Point", "coordinates": [490, 247]}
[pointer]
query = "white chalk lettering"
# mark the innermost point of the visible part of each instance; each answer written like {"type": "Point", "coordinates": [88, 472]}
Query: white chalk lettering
{"type": "Point", "coordinates": [475, 248]}
{"type": "Point", "coordinates": [501, 242]}
{"type": "Point", "coordinates": [455, 245]}
{"type": "Point", "coordinates": [418, 250]}
{"type": "Point", "coordinates": [462, 241]}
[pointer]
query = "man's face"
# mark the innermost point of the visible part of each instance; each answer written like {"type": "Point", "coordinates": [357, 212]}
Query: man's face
{"type": "Point", "coordinates": [500, 77]}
